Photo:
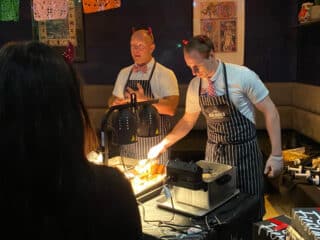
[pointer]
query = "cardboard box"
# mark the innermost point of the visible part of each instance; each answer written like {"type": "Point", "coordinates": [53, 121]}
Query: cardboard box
{"type": "Point", "coordinates": [306, 221]}
{"type": "Point", "coordinates": [273, 228]}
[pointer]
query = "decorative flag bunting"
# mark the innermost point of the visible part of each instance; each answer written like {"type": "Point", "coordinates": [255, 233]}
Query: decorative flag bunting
{"type": "Point", "coordinates": [9, 10]}
{"type": "Point", "coordinates": [64, 29]}
{"type": "Point", "coordinates": [91, 6]}
{"type": "Point", "coordinates": [44, 10]}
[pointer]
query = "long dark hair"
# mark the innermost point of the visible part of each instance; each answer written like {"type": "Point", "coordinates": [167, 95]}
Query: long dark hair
{"type": "Point", "coordinates": [43, 124]}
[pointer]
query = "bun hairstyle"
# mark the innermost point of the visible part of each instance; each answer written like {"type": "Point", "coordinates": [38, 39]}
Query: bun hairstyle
{"type": "Point", "coordinates": [200, 43]}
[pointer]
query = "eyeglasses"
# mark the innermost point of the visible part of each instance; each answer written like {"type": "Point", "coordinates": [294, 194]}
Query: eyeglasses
{"type": "Point", "coordinates": [140, 47]}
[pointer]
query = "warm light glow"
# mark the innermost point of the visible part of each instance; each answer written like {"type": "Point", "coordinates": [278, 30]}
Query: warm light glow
{"type": "Point", "coordinates": [143, 166]}
{"type": "Point", "coordinates": [94, 157]}
{"type": "Point", "coordinates": [143, 174]}
{"type": "Point", "coordinates": [149, 173]}
{"type": "Point", "coordinates": [140, 185]}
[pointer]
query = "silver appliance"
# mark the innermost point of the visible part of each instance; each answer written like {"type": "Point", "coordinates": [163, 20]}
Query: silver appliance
{"type": "Point", "coordinates": [198, 188]}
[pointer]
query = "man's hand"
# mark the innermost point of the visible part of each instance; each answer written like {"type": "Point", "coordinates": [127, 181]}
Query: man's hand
{"type": "Point", "coordinates": [274, 166]}
{"type": "Point", "coordinates": [156, 150]}
{"type": "Point", "coordinates": [139, 93]}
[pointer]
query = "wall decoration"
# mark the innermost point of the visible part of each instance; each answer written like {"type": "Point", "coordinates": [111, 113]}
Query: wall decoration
{"type": "Point", "coordinates": [44, 10]}
{"type": "Point", "coordinates": [58, 33]}
{"type": "Point", "coordinates": [9, 10]}
{"type": "Point", "coordinates": [223, 22]}
{"type": "Point", "coordinates": [92, 6]}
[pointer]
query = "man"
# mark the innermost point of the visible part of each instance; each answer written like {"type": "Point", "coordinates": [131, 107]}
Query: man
{"type": "Point", "coordinates": [226, 95]}
{"type": "Point", "coordinates": [148, 79]}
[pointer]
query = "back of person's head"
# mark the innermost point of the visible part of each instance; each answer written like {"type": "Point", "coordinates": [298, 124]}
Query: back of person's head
{"type": "Point", "coordinates": [40, 103]}
{"type": "Point", "coordinates": [201, 43]}
{"type": "Point", "coordinates": [42, 122]}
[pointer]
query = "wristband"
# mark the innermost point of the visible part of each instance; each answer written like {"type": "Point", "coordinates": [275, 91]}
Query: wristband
{"type": "Point", "coordinates": [278, 158]}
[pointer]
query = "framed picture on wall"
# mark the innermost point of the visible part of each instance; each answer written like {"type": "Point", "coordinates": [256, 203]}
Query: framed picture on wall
{"type": "Point", "coordinates": [58, 33]}
{"type": "Point", "coordinates": [223, 22]}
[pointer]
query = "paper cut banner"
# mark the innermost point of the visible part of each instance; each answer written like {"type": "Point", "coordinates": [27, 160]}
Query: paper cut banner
{"type": "Point", "coordinates": [91, 6]}
{"type": "Point", "coordinates": [44, 10]}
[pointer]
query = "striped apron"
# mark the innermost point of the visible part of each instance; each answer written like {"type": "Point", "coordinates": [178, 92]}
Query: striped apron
{"type": "Point", "coordinates": [139, 150]}
{"type": "Point", "coordinates": [232, 140]}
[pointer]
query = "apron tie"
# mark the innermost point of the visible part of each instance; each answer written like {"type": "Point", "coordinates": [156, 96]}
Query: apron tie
{"type": "Point", "coordinates": [219, 149]}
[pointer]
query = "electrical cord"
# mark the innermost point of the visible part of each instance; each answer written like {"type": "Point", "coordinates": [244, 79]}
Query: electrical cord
{"type": "Point", "coordinates": [167, 193]}
{"type": "Point", "coordinates": [186, 236]}
{"type": "Point", "coordinates": [207, 223]}
{"type": "Point", "coordinates": [182, 226]}
{"type": "Point", "coordinates": [168, 223]}
{"type": "Point", "coordinates": [123, 165]}
{"type": "Point", "coordinates": [182, 232]}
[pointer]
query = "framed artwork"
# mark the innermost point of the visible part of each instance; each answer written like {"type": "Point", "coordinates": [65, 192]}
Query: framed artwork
{"type": "Point", "coordinates": [58, 33]}
{"type": "Point", "coordinates": [223, 22]}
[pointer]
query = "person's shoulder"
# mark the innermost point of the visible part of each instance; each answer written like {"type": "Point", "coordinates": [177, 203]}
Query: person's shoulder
{"type": "Point", "coordinates": [195, 80]}
{"type": "Point", "coordinates": [194, 83]}
{"type": "Point", "coordinates": [237, 67]}
{"type": "Point", "coordinates": [105, 172]}
{"type": "Point", "coordinates": [164, 68]}
{"type": "Point", "coordinates": [125, 70]}
{"type": "Point", "coordinates": [240, 70]}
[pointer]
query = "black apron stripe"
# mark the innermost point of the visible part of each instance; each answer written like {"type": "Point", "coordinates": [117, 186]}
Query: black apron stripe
{"type": "Point", "coordinates": [230, 126]}
{"type": "Point", "coordinates": [140, 149]}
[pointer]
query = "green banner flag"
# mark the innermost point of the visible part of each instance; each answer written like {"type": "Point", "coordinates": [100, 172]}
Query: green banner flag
{"type": "Point", "coordinates": [9, 10]}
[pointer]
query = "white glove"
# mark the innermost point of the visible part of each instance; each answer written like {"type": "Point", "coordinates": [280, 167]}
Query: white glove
{"type": "Point", "coordinates": [273, 166]}
{"type": "Point", "coordinates": [156, 150]}
{"type": "Point", "coordinates": [95, 157]}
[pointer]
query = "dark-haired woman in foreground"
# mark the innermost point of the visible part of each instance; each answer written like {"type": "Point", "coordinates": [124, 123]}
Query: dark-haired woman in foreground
{"type": "Point", "coordinates": [48, 188]}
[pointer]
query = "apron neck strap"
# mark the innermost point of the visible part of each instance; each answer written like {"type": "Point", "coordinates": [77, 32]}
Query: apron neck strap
{"type": "Point", "coordinates": [225, 78]}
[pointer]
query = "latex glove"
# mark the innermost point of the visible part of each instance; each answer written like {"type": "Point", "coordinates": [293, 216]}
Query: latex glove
{"type": "Point", "coordinates": [156, 150]}
{"type": "Point", "coordinates": [95, 157]}
{"type": "Point", "coordinates": [274, 166]}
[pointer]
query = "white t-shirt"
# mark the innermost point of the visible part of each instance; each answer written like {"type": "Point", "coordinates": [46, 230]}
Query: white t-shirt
{"type": "Point", "coordinates": [245, 89]}
{"type": "Point", "coordinates": [163, 82]}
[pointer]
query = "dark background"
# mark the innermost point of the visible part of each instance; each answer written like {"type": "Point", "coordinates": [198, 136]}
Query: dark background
{"type": "Point", "coordinates": [275, 47]}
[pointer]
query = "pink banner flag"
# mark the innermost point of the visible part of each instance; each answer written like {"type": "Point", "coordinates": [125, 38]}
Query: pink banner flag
{"type": "Point", "coordinates": [44, 10]}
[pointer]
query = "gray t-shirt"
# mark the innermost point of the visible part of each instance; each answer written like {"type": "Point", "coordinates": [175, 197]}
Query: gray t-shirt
{"type": "Point", "coordinates": [245, 89]}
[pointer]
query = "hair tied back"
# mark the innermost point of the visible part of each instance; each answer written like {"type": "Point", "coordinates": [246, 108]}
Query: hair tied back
{"type": "Point", "coordinates": [185, 42]}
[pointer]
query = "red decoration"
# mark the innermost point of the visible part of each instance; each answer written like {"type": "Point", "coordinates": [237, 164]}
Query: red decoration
{"type": "Point", "coordinates": [185, 42]}
{"type": "Point", "coordinates": [68, 54]}
{"type": "Point", "coordinates": [203, 38]}
{"type": "Point", "coordinates": [280, 225]}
